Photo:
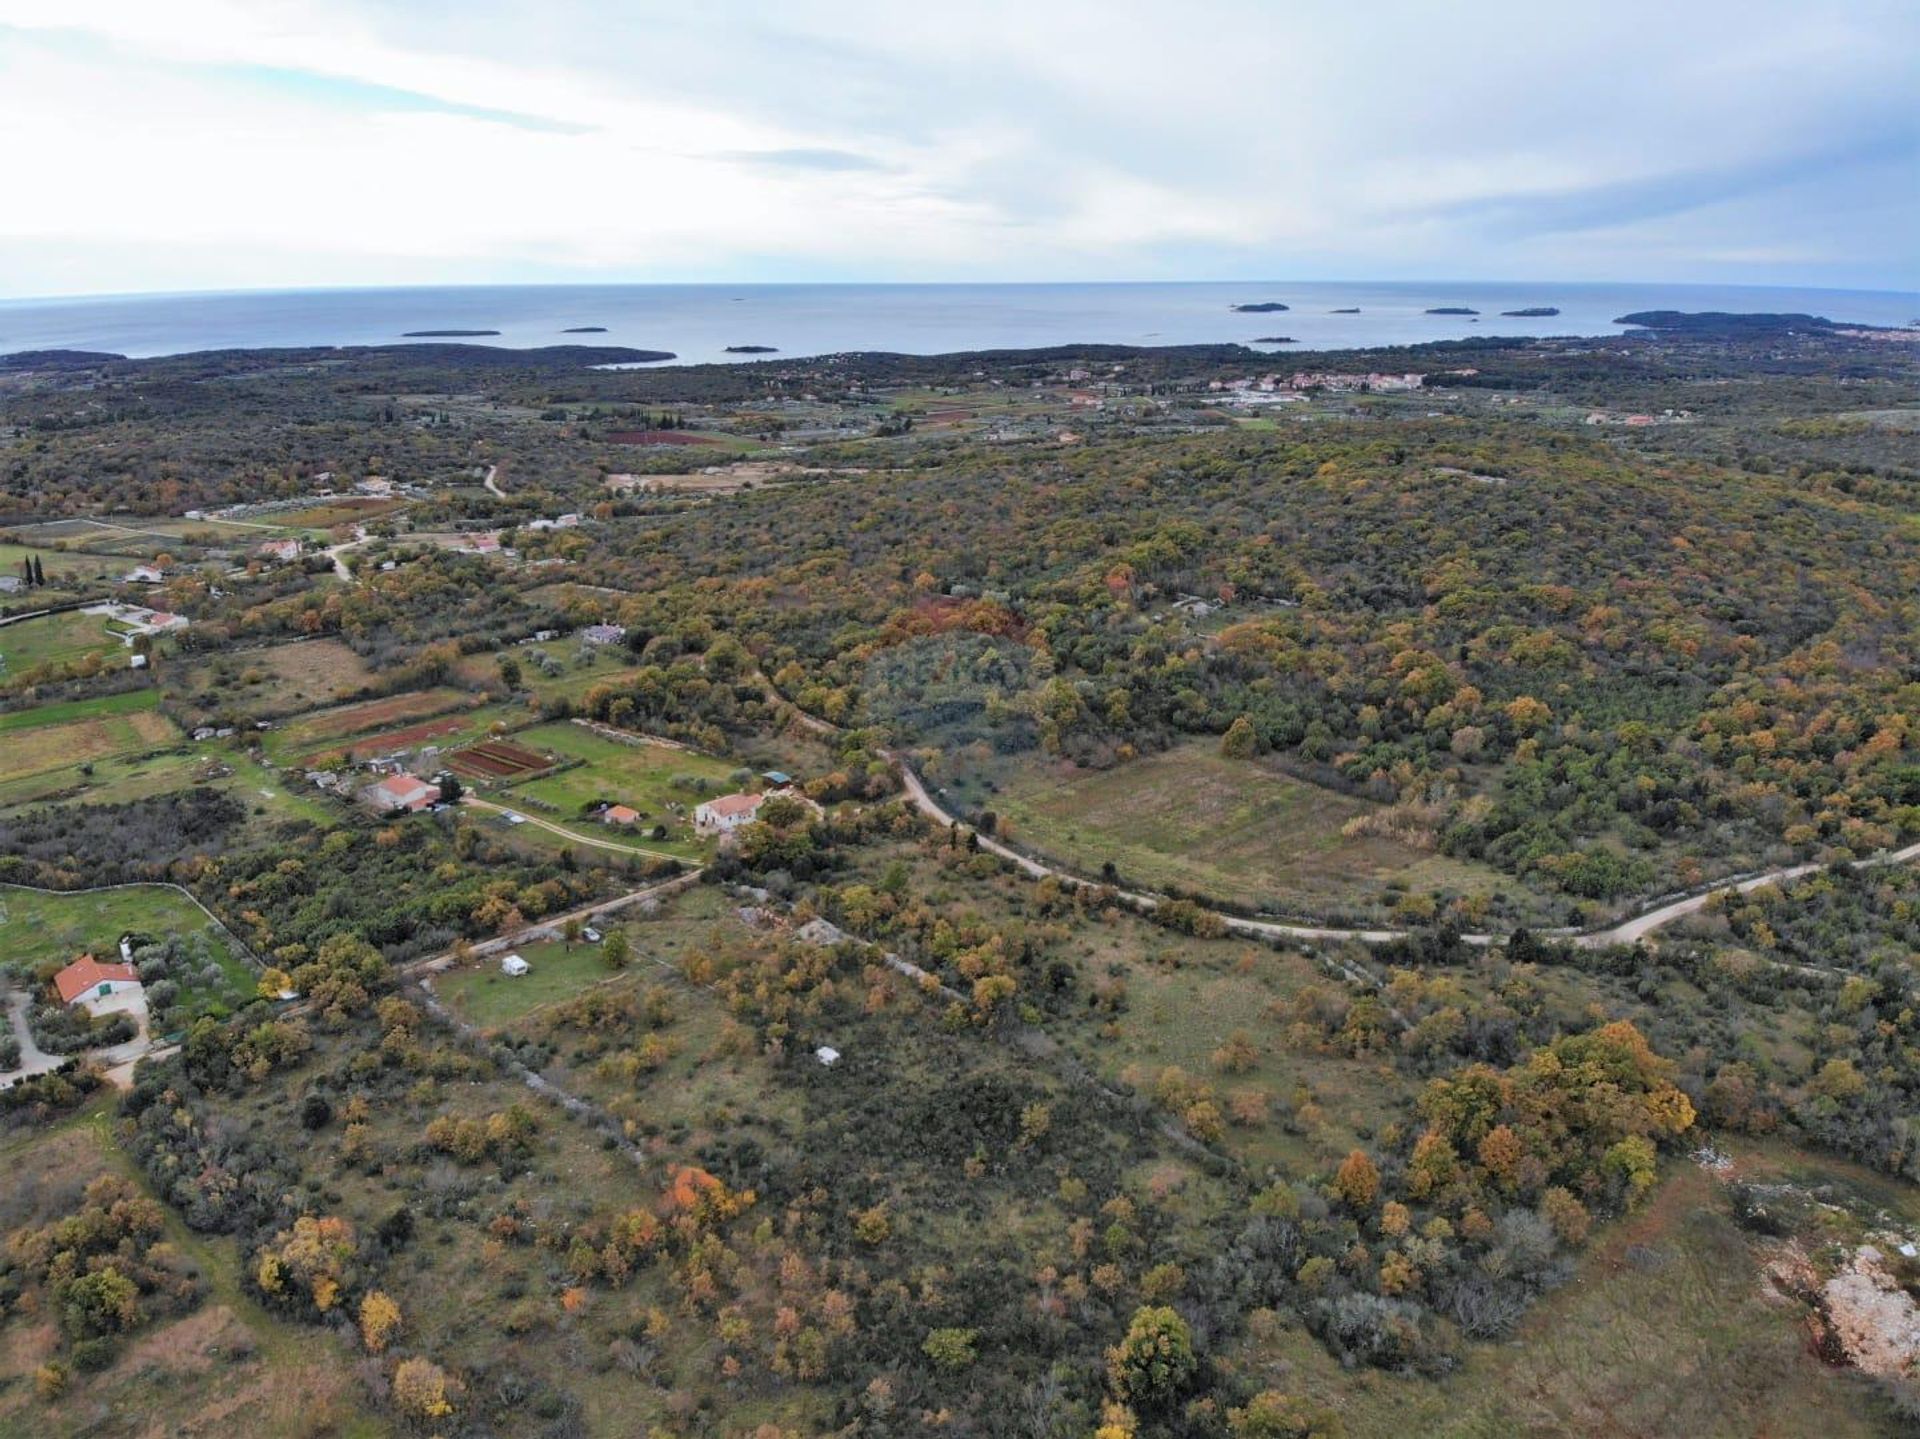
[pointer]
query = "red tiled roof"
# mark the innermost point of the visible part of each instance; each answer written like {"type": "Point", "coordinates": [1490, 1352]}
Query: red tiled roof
{"type": "Point", "coordinates": [620, 814]}
{"type": "Point", "coordinates": [731, 804]}
{"type": "Point", "coordinates": [86, 972]}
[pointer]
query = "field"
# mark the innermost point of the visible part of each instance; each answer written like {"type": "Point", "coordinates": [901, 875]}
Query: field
{"type": "Point", "coordinates": [649, 778]}
{"type": "Point", "coordinates": [53, 639]}
{"type": "Point", "coordinates": [64, 569]}
{"type": "Point", "coordinates": [496, 761]}
{"type": "Point", "coordinates": [37, 927]}
{"type": "Point", "coordinates": [311, 732]}
{"type": "Point", "coordinates": [59, 737]}
{"type": "Point", "coordinates": [481, 993]}
{"type": "Point", "coordinates": [265, 683]}
{"type": "Point", "coordinates": [327, 514]}
{"type": "Point", "coordinates": [1190, 819]}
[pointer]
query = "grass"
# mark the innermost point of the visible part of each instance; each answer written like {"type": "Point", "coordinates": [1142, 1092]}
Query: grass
{"type": "Point", "coordinates": [639, 775]}
{"type": "Point", "coordinates": [39, 928]}
{"type": "Point", "coordinates": [53, 639]}
{"type": "Point", "coordinates": [481, 993]}
{"type": "Point", "coordinates": [1190, 819]}
{"type": "Point", "coordinates": [64, 569]}
{"type": "Point", "coordinates": [79, 737]}
{"type": "Point", "coordinates": [265, 683]}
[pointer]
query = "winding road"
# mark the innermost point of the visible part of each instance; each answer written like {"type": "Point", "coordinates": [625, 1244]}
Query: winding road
{"type": "Point", "coordinates": [1627, 931]}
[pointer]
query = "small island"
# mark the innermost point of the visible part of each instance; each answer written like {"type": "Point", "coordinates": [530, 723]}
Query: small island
{"type": "Point", "coordinates": [1261, 307]}
{"type": "Point", "coordinates": [1452, 310]}
{"type": "Point", "coordinates": [585, 330]}
{"type": "Point", "coordinates": [1350, 310]}
{"type": "Point", "coordinates": [1719, 322]}
{"type": "Point", "coordinates": [751, 350]}
{"type": "Point", "coordinates": [1533, 312]}
{"type": "Point", "coordinates": [444, 334]}
{"type": "Point", "coordinates": [1276, 340]}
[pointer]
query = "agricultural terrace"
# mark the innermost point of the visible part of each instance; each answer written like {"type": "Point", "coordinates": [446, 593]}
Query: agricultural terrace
{"type": "Point", "coordinates": [313, 737]}
{"type": "Point", "coordinates": [67, 736]}
{"type": "Point", "coordinates": [1191, 819]}
{"type": "Point", "coordinates": [661, 782]}
{"type": "Point", "coordinates": [497, 762]}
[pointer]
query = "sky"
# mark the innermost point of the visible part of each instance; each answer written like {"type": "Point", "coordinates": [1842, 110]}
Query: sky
{"type": "Point", "coordinates": [224, 144]}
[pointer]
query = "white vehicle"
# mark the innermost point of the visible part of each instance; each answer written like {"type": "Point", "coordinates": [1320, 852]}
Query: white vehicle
{"type": "Point", "coordinates": [513, 818]}
{"type": "Point", "coordinates": [591, 936]}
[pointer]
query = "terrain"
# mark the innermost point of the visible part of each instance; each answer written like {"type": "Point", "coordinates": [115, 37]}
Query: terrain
{"type": "Point", "coordinates": [1094, 891]}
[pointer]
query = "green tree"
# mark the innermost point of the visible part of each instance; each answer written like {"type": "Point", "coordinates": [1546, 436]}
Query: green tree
{"type": "Point", "coordinates": [617, 950]}
{"type": "Point", "coordinates": [1155, 1361]}
{"type": "Point", "coordinates": [951, 1348]}
{"type": "Point", "coordinates": [1240, 741]}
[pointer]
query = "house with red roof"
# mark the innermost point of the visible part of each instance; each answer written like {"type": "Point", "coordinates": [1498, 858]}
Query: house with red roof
{"type": "Point", "coordinates": [87, 980]}
{"type": "Point", "coordinates": [726, 813]}
{"type": "Point", "coordinates": [401, 792]}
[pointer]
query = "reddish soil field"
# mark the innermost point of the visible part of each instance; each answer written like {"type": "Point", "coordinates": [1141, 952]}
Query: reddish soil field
{"type": "Point", "coordinates": [496, 759]}
{"type": "Point", "coordinates": [658, 437]}
{"type": "Point", "coordinates": [385, 741]}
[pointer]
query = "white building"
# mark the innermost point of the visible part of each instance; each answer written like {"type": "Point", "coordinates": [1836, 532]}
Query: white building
{"type": "Point", "coordinates": [514, 966]}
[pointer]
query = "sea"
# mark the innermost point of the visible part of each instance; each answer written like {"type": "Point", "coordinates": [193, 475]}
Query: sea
{"type": "Point", "coordinates": [698, 323]}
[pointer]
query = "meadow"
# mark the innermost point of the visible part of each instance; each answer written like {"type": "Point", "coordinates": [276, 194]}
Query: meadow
{"type": "Point", "coordinates": [82, 732]}
{"type": "Point", "coordinates": [1190, 819]}
{"type": "Point", "coordinates": [54, 639]}
{"type": "Point", "coordinates": [40, 927]}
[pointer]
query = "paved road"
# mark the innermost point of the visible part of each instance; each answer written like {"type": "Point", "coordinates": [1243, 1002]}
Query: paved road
{"type": "Point", "coordinates": [33, 1059]}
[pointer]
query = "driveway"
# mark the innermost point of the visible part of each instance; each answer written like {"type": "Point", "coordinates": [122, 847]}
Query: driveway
{"type": "Point", "coordinates": [33, 1059]}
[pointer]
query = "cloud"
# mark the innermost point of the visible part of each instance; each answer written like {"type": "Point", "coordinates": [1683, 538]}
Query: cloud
{"type": "Point", "coordinates": [807, 159]}
{"type": "Point", "coordinates": [374, 141]}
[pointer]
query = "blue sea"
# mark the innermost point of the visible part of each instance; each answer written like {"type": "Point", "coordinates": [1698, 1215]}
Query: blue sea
{"type": "Point", "coordinates": [698, 322]}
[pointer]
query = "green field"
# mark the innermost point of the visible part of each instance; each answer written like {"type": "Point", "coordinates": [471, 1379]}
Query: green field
{"type": "Point", "coordinates": [64, 569]}
{"type": "Point", "coordinates": [64, 739]}
{"type": "Point", "coordinates": [481, 993]}
{"type": "Point", "coordinates": [37, 927]}
{"type": "Point", "coordinates": [646, 777]}
{"type": "Point", "coordinates": [53, 639]}
{"type": "Point", "coordinates": [1190, 819]}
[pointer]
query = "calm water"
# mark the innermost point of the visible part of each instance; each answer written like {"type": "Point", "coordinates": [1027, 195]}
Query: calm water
{"type": "Point", "coordinates": [698, 322]}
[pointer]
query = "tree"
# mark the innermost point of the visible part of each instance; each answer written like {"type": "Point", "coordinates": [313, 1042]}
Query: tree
{"type": "Point", "coordinates": [570, 931]}
{"type": "Point", "coordinates": [1240, 741]}
{"type": "Point", "coordinates": [1273, 1415]}
{"type": "Point", "coordinates": [450, 788]}
{"type": "Point", "coordinates": [951, 1348]}
{"type": "Point", "coordinates": [1357, 1181]}
{"type": "Point", "coordinates": [1155, 1361]}
{"type": "Point", "coordinates": [510, 672]}
{"type": "Point", "coordinates": [379, 1320]}
{"type": "Point", "coordinates": [420, 1390]}
{"type": "Point", "coordinates": [617, 950]}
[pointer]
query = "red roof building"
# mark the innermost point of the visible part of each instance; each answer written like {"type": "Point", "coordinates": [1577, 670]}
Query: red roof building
{"type": "Point", "coordinates": [88, 978]}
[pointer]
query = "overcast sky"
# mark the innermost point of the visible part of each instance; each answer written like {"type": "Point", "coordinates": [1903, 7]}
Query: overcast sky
{"type": "Point", "coordinates": [195, 144]}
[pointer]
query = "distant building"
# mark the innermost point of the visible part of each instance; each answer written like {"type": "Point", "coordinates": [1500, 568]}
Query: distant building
{"type": "Point", "coordinates": [777, 778]}
{"type": "Point", "coordinates": [514, 966]}
{"type": "Point", "coordinates": [375, 485]}
{"type": "Point", "coordinates": [285, 551]}
{"type": "Point", "coordinates": [10, 584]}
{"type": "Point", "coordinates": [619, 814]}
{"type": "Point", "coordinates": [146, 575]}
{"type": "Point", "coordinates": [727, 813]}
{"type": "Point", "coordinates": [827, 1055]}
{"type": "Point", "coordinates": [400, 792]}
{"type": "Point", "coordinates": [87, 980]}
{"type": "Point", "coordinates": [603, 634]}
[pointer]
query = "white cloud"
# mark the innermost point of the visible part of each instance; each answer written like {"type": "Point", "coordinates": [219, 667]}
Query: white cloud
{"type": "Point", "coordinates": [287, 142]}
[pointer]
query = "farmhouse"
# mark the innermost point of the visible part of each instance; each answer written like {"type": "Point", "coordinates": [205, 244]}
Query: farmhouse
{"type": "Point", "coordinates": [285, 551]}
{"type": "Point", "coordinates": [619, 814]}
{"type": "Point", "coordinates": [727, 813]}
{"type": "Point", "coordinates": [400, 791]}
{"type": "Point", "coordinates": [603, 634]}
{"type": "Point", "coordinates": [146, 575]}
{"type": "Point", "coordinates": [87, 981]}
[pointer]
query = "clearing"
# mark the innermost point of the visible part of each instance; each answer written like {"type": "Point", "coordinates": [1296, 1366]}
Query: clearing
{"type": "Point", "coordinates": [1190, 819]}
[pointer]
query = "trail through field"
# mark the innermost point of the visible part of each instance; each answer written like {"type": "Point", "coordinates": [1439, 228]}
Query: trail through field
{"type": "Point", "coordinates": [598, 843]}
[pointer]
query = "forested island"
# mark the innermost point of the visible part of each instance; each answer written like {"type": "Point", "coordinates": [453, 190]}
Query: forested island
{"type": "Point", "coordinates": [1261, 307]}
{"type": "Point", "coordinates": [445, 334]}
{"type": "Point", "coordinates": [1533, 312]}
